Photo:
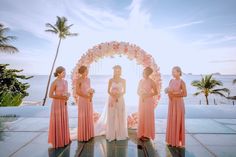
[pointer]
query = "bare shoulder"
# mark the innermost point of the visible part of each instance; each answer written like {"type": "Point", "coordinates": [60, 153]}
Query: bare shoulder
{"type": "Point", "coordinates": [54, 82]}
{"type": "Point", "coordinates": [123, 80]}
{"type": "Point", "coordinates": [183, 83]}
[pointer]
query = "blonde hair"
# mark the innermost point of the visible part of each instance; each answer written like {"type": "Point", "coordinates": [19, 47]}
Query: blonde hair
{"type": "Point", "coordinates": [117, 67]}
{"type": "Point", "coordinates": [178, 69]}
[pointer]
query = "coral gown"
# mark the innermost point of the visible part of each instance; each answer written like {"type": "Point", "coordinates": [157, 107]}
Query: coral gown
{"type": "Point", "coordinates": [85, 114]}
{"type": "Point", "coordinates": [59, 135]}
{"type": "Point", "coordinates": [175, 132]}
{"type": "Point", "coordinates": [146, 114]}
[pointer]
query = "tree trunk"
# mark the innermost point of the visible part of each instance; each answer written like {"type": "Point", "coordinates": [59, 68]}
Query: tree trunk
{"type": "Point", "coordinates": [207, 102]}
{"type": "Point", "coordinates": [50, 75]}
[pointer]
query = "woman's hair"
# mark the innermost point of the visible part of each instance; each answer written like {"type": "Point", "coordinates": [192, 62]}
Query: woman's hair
{"type": "Point", "coordinates": [117, 67]}
{"type": "Point", "coordinates": [178, 69]}
{"type": "Point", "coordinates": [82, 69]}
{"type": "Point", "coordinates": [59, 70]}
{"type": "Point", "coordinates": [148, 70]}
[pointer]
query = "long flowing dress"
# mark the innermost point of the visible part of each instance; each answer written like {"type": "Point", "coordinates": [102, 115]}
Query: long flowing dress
{"type": "Point", "coordinates": [175, 132]}
{"type": "Point", "coordinates": [116, 116]}
{"type": "Point", "coordinates": [85, 114]}
{"type": "Point", "coordinates": [59, 135]}
{"type": "Point", "coordinates": [146, 120]}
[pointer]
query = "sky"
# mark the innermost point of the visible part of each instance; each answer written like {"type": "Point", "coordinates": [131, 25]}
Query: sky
{"type": "Point", "coordinates": [197, 35]}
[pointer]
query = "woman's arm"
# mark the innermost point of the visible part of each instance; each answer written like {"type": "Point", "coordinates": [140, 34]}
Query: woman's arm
{"type": "Point", "coordinates": [79, 92]}
{"type": "Point", "coordinates": [183, 92]}
{"type": "Point", "coordinates": [52, 92]}
{"type": "Point", "coordinates": [109, 87]}
{"type": "Point", "coordinates": [154, 89]}
{"type": "Point", "coordinates": [124, 87]}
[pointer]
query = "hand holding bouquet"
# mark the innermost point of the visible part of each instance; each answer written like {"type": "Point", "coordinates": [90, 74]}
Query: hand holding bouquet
{"type": "Point", "coordinates": [115, 92]}
{"type": "Point", "coordinates": [90, 93]}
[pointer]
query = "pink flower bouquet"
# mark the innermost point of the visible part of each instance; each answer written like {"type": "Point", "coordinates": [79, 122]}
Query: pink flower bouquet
{"type": "Point", "coordinates": [115, 91]}
{"type": "Point", "coordinates": [90, 92]}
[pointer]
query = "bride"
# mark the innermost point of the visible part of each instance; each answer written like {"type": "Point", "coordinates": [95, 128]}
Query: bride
{"type": "Point", "coordinates": [113, 121]}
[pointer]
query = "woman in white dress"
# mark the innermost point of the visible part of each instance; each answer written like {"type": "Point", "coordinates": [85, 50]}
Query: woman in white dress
{"type": "Point", "coordinates": [116, 127]}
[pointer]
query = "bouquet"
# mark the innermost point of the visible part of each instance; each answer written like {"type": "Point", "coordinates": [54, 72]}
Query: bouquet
{"type": "Point", "coordinates": [90, 92]}
{"type": "Point", "coordinates": [115, 91]}
{"type": "Point", "coordinates": [67, 94]}
{"type": "Point", "coordinates": [143, 92]}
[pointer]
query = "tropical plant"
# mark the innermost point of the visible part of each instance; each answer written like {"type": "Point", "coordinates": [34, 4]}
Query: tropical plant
{"type": "Point", "coordinates": [234, 81]}
{"type": "Point", "coordinates": [5, 39]}
{"type": "Point", "coordinates": [62, 29]}
{"type": "Point", "coordinates": [232, 97]}
{"type": "Point", "coordinates": [12, 90]}
{"type": "Point", "coordinates": [208, 85]}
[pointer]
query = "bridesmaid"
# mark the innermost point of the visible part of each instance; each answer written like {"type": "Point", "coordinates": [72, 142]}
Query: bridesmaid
{"type": "Point", "coordinates": [85, 106]}
{"type": "Point", "coordinates": [59, 135]}
{"type": "Point", "coordinates": [147, 90]}
{"type": "Point", "coordinates": [175, 132]}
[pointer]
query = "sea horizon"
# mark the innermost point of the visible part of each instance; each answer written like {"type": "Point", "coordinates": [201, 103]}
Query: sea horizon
{"type": "Point", "coordinates": [99, 83]}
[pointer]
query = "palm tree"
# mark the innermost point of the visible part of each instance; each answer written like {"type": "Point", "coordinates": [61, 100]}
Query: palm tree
{"type": "Point", "coordinates": [4, 40]}
{"type": "Point", "coordinates": [207, 85]}
{"type": "Point", "coordinates": [234, 81]}
{"type": "Point", "coordinates": [61, 29]}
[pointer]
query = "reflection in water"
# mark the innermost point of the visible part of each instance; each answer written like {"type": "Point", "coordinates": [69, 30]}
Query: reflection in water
{"type": "Point", "coordinates": [85, 148]}
{"type": "Point", "coordinates": [146, 148]}
{"type": "Point", "coordinates": [62, 152]}
{"type": "Point", "coordinates": [117, 148]}
{"type": "Point", "coordinates": [176, 152]}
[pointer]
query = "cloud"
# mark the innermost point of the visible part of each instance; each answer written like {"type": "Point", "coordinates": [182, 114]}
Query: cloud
{"type": "Point", "coordinates": [224, 61]}
{"type": "Point", "coordinates": [184, 25]}
{"type": "Point", "coordinates": [217, 38]}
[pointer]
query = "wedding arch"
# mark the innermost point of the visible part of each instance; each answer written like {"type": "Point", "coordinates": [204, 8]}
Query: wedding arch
{"type": "Point", "coordinates": [109, 49]}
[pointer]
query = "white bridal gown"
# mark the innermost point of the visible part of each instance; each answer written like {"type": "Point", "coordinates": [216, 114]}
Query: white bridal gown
{"type": "Point", "coordinates": [113, 120]}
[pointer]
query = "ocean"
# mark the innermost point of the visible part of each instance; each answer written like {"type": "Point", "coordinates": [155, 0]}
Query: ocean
{"type": "Point", "coordinates": [100, 83]}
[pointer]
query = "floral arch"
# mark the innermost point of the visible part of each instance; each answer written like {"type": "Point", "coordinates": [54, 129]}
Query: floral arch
{"type": "Point", "coordinates": [108, 49]}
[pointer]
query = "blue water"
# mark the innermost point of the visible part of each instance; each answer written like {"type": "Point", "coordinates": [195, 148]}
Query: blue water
{"type": "Point", "coordinates": [99, 83]}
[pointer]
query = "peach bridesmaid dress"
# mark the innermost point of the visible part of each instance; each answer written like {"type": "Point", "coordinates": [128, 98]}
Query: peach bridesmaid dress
{"type": "Point", "coordinates": [175, 132]}
{"type": "Point", "coordinates": [59, 135]}
{"type": "Point", "coordinates": [146, 121]}
{"type": "Point", "coordinates": [85, 114]}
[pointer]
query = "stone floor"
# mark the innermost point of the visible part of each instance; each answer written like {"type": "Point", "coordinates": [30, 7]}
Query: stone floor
{"type": "Point", "coordinates": [23, 136]}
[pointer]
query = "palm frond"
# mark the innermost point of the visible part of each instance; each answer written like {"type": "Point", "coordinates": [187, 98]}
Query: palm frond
{"type": "Point", "coordinates": [8, 48]}
{"type": "Point", "coordinates": [197, 93]}
{"type": "Point", "coordinates": [225, 90]}
{"type": "Point", "coordinates": [4, 40]}
{"type": "Point", "coordinates": [61, 28]}
{"type": "Point", "coordinates": [51, 31]}
{"type": "Point", "coordinates": [234, 81]}
{"type": "Point", "coordinates": [51, 28]}
{"type": "Point", "coordinates": [218, 93]}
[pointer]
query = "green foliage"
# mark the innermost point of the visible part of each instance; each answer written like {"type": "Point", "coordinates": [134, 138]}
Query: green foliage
{"type": "Point", "coordinates": [234, 81]}
{"type": "Point", "coordinates": [12, 90]}
{"type": "Point", "coordinates": [5, 39]}
{"type": "Point", "coordinates": [61, 28]}
{"type": "Point", "coordinates": [208, 85]}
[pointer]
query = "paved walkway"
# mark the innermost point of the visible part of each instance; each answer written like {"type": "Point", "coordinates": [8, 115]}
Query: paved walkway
{"type": "Point", "coordinates": [210, 135]}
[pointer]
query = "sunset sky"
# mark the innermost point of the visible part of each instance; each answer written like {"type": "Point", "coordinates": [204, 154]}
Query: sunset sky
{"type": "Point", "coordinates": [198, 35]}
